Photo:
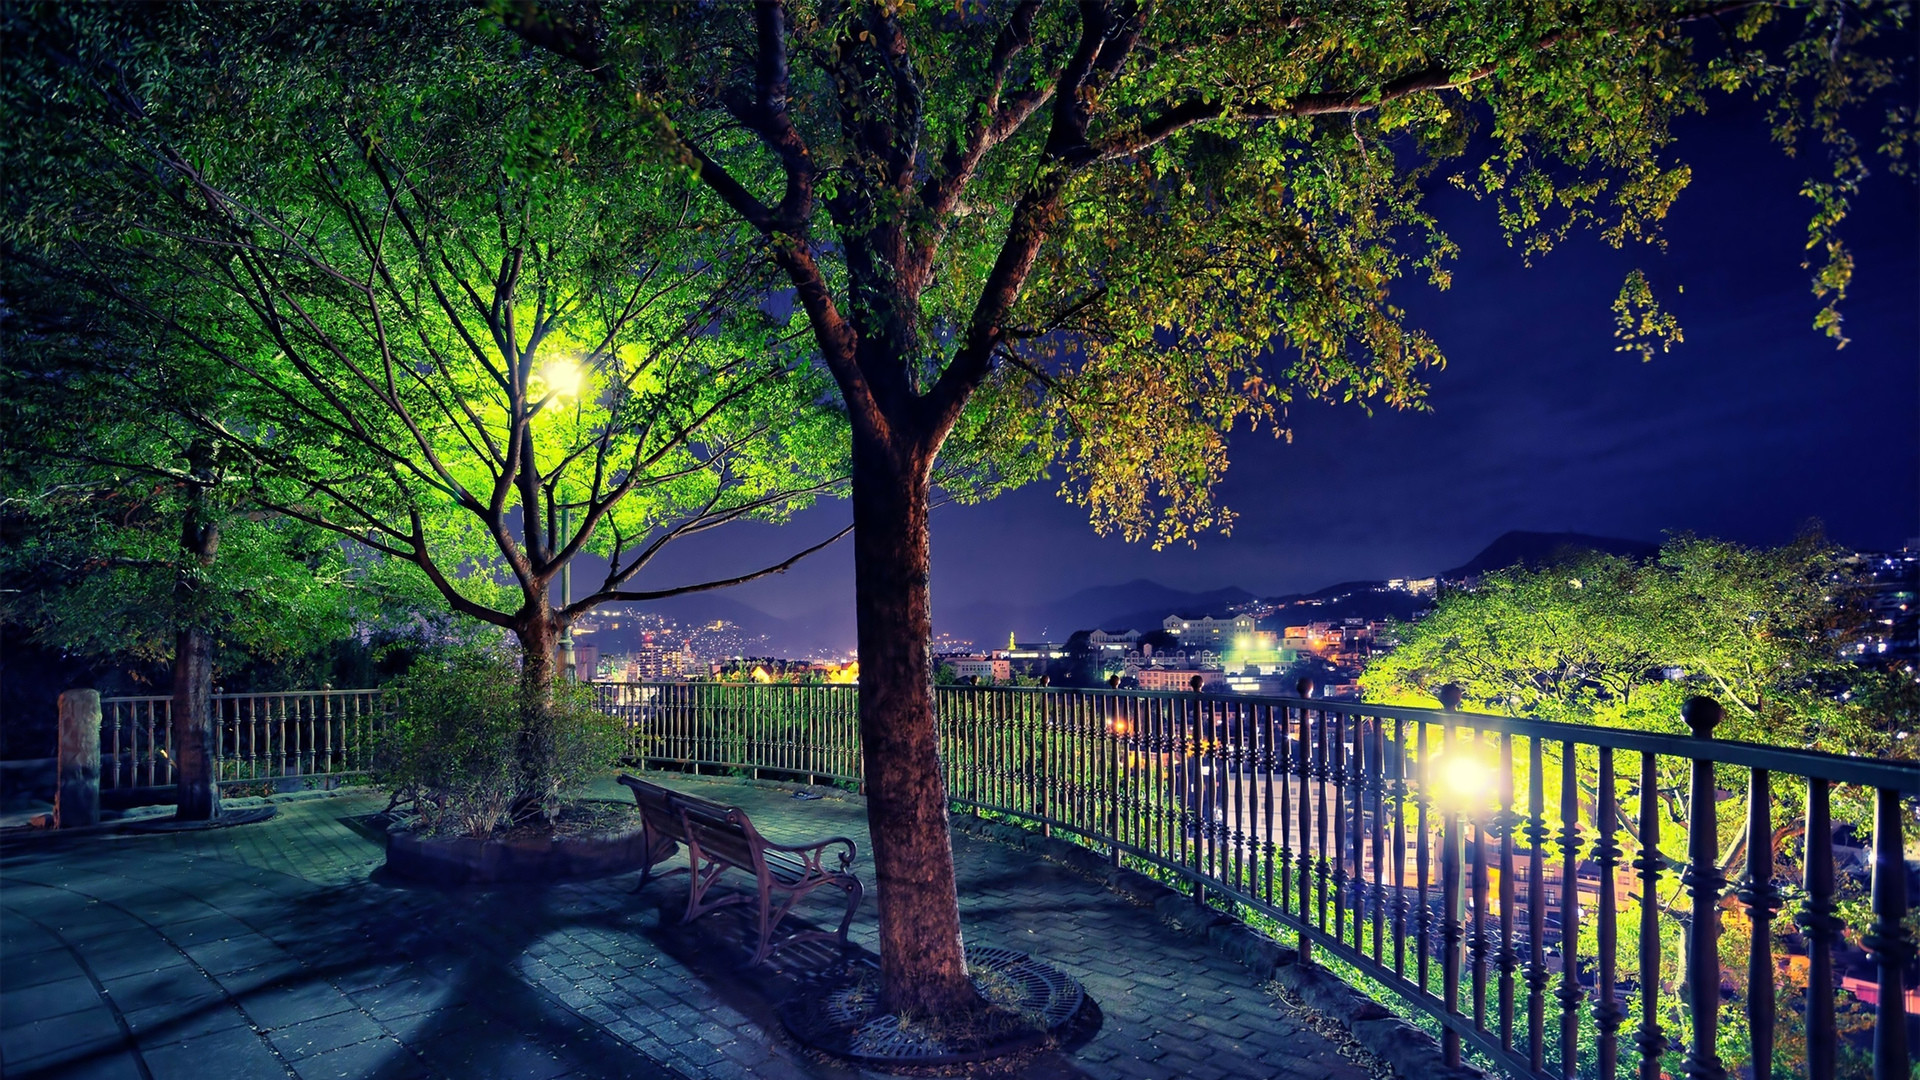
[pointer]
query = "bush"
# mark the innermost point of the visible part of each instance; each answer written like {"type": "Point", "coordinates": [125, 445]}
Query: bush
{"type": "Point", "coordinates": [452, 739]}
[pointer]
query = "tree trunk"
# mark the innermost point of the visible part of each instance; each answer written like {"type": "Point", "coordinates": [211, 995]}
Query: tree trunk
{"type": "Point", "coordinates": [923, 971]}
{"type": "Point", "coordinates": [197, 792]}
{"type": "Point", "coordinates": [537, 750]}
{"type": "Point", "coordinates": [197, 789]}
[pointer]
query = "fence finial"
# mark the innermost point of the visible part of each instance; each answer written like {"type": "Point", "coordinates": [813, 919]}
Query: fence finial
{"type": "Point", "coordinates": [1450, 696]}
{"type": "Point", "coordinates": [1702, 714]}
{"type": "Point", "coordinates": [1304, 688]}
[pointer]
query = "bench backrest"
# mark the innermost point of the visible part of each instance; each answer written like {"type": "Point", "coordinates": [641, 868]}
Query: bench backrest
{"type": "Point", "coordinates": [657, 806]}
{"type": "Point", "coordinates": [722, 831]}
{"type": "Point", "coordinates": [725, 833]}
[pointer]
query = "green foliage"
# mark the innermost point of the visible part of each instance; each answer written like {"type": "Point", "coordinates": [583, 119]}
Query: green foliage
{"type": "Point", "coordinates": [1123, 232]}
{"type": "Point", "coordinates": [446, 306]}
{"type": "Point", "coordinates": [452, 739]}
{"type": "Point", "coordinates": [101, 483]}
{"type": "Point", "coordinates": [1606, 640]}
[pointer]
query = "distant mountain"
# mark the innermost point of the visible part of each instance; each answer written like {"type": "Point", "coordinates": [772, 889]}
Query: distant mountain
{"type": "Point", "coordinates": [1370, 600]}
{"type": "Point", "coordinates": [689, 610]}
{"type": "Point", "coordinates": [1138, 605]}
{"type": "Point", "coordinates": [1535, 549]}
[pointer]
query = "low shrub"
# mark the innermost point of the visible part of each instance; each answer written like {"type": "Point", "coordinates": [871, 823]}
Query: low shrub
{"type": "Point", "coordinates": [451, 742]}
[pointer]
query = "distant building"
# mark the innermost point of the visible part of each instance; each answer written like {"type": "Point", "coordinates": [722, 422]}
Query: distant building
{"type": "Point", "coordinates": [980, 668]}
{"type": "Point", "coordinates": [1030, 658]}
{"type": "Point", "coordinates": [1208, 631]}
{"type": "Point", "coordinates": [1120, 641]}
{"type": "Point", "coordinates": [1156, 678]}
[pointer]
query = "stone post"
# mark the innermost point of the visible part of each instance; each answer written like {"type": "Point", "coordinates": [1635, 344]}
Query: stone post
{"type": "Point", "coordinates": [78, 800]}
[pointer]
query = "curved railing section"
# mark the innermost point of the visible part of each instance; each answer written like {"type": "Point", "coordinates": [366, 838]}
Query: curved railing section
{"type": "Point", "coordinates": [1492, 872]}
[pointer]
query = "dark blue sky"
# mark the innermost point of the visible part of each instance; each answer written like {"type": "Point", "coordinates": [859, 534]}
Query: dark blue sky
{"type": "Point", "coordinates": [1752, 427]}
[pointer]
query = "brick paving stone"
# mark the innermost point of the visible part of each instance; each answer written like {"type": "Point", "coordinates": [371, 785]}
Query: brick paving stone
{"type": "Point", "coordinates": [348, 975]}
{"type": "Point", "coordinates": [384, 1058]}
{"type": "Point", "coordinates": [45, 1000]}
{"type": "Point", "coordinates": [333, 1032]}
{"type": "Point", "coordinates": [53, 1035]}
{"type": "Point", "coordinates": [236, 1054]}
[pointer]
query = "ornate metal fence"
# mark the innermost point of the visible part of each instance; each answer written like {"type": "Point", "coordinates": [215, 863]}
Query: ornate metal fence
{"type": "Point", "coordinates": [1552, 895]}
{"type": "Point", "coordinates": [305, 733]}
{"type": "Point", "coordinates": [810, 731]}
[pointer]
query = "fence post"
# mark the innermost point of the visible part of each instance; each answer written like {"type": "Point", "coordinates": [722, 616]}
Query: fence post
{"type": "Point", "coordinates": [1452, 862]}
{"type": "Point", "coordinates": [1762, 900]}
{"type": "Point", "coordinates": [1302, 763]}
{"type": "Point", "coordinates": [1888, 938]}
{"type": "Point", "coordinates": [1704, 882]}
{"type": "Point", "coordinates": [78, 800]}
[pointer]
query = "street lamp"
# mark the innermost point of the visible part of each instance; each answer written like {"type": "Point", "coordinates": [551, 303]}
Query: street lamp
{"type": "Point", "coordinates": [566, 598]}
{"type": "Point", "coordinates": [563, 377]}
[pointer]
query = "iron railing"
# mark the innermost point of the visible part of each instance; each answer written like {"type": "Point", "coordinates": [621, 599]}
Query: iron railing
{"type": "Point", "coordinates": [1490, 871]}
{"type": "Point", "coordinates": [303, 733]}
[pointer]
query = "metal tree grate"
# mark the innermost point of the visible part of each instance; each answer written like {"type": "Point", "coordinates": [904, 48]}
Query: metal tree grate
{"type": "Point", "coordinates": [842, 1018]}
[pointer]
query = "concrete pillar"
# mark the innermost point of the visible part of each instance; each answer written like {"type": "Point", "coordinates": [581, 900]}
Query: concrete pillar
{"type": "Point", "coordinates": [78, 800]}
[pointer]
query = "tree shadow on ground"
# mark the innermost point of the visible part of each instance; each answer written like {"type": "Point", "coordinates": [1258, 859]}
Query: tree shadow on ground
{"type": "Point", "coordinates": [450, 972]}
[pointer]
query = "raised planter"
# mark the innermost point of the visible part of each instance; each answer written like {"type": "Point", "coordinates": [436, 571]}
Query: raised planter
{"type": "Point", "coordinates": [463, 860]}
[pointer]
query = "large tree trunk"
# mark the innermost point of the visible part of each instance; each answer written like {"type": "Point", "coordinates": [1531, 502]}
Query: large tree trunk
{"type": "Point", "coordinates": [923, 971]}
{"type": "Point", "coordinates": [197, 791]}
{"type": "Point", "coordinates": [537, 750]}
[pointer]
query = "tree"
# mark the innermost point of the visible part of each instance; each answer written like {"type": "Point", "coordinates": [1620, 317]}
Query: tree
{"type": "Point", "coordinates": [1606, 640]}
{"type": "Point", "coordinates": [128, 538]}
{"type": "Point", "coordinates": [1039, 231]}
{"type": "Point", "coordinates": [451, 316]}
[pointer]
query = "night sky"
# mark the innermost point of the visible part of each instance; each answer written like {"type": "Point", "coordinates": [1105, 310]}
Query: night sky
{"type": "Point", "coordinates": [1751, 428]}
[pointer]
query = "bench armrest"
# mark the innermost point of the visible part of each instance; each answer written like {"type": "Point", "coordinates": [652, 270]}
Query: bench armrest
{"type": "Point", "coordinates": [814, 854]}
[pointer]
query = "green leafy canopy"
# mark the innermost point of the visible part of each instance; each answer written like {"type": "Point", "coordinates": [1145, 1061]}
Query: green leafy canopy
{"type": "Point", "coordinates": [1108, 234]}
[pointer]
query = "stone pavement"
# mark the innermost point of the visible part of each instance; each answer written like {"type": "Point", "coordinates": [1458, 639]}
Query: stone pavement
{"type": "Point", "coordinates": [275, 951]}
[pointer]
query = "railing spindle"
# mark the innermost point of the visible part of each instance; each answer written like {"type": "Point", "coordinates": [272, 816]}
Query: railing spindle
{"type": "Point", "coordinates": [1377, 790]}
{"type": "Point", "coordinates": [1478, 938]}
{"type": "Point", "coordinates": [1816, 918]}
{"type": "Point", "coordinates": [1888, 939]}
{"type": "Point", "coordinates": [1609, 1013]}
{"type": "Point", "coordinates": [1762, 900]}
{"type": "Point", "coordinates": [1537, 975]}
{"type": "Point", "coordinates": [1704, 883]}
{"type": "Point", "coordinates": [1505, 821]}
{"type": "Point", "coordinates": [1422, 858]}
{"type": "Point", "coordinates": [1303, 761]}
{"type": "Point", "coordinates": [1651, 1040]}
{"type": "Point", "coordinates": [1398, 790]}
{"type": "Point", "coordinates": [1452, 897]}
{"type": "Point", "coordinates": [1338, 772]}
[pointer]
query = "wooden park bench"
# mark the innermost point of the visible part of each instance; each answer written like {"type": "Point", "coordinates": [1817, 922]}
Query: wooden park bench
{"type": "Point", "coordinates": [719, 837]}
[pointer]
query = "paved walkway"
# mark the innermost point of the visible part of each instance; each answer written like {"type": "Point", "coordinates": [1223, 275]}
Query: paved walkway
{"type": "Point", "coordinates": [268, 951]}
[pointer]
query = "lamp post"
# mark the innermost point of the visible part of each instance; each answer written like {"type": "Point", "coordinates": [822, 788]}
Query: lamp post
{"type": "Point", "coordinates": [564, 378]}
{"type": "Point", "coordinates": [567, 667]}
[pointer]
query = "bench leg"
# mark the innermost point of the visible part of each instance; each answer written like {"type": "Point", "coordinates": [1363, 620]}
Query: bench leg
{"type": "Point", "coordinates": [658, 850]}
{"type": "Point", "coordinates": [854, 893]}
{"type": "Point", "coordinates": [770, 918]}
